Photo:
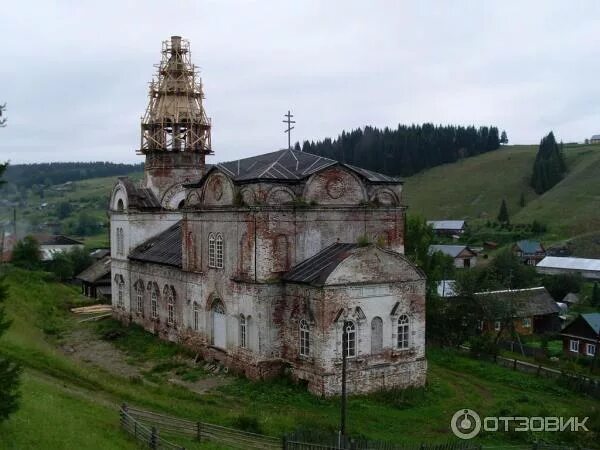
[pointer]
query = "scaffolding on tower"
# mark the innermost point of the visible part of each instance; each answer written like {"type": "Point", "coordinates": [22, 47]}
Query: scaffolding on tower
{"type": "Point", "coordinates": [175, 120]}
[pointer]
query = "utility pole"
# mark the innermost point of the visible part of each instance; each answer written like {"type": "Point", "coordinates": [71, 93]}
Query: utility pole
{"type": "Point", "coordinates": [289, 129]}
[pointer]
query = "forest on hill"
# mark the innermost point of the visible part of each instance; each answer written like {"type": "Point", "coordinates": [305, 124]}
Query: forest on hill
{"type": "Point", "coordinates": [48, 174]}
{"type": "Point", "coordinates": [407, 150]}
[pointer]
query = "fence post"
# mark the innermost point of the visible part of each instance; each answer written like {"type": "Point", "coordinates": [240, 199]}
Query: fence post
{"type": "Point", "coordinates": [123, 414]}
{"type": "Point", "coordinates": [153, 439]}
{"type": "Point", "coordinates": [515, 364]}
{"type": "Point", "coordinates": [198, 431]}
{"type": "Point", "coordinates": [539, 370]}
{"type": "Point", "coordinates": [284, 442]}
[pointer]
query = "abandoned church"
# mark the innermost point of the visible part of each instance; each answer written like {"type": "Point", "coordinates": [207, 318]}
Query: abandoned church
{"type": "Point", "coordinates": [269, 264]}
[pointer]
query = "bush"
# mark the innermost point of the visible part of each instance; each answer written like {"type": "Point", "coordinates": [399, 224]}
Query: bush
{"type": "Point", "coordinates": [26, 254]}
{"type": "Point", "coordinates": [248, 423]}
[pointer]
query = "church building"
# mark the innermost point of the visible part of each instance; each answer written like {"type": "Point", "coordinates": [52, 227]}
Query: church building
{"type": "Point", "coordinates": [272, 264]}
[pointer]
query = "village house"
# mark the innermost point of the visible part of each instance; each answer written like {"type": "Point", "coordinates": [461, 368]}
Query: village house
{"type": "Point", "coordinates": [529, 252]}
{"type": "Point", "coordinates": [268, 263]}
{"type": "Point", "coordinates": [50, 245]}
{"type": "Point", "coordinates": [448, 227]}
{"type": "Point", "coordinates": [522, 311]}
{"type": "Point", "coordinates": [555, 265]}
{"type": "Point", "coordinates": [582, 336]}
{"type": "Point", "coordinates": [462, 255]}
{"type": "Point", "coordinates": [595, 139]}
{"type": "Point", "coordinates": [96, 280]}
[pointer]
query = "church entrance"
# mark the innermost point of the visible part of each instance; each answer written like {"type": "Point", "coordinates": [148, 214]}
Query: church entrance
{"type": "Point", "coordinates": [219, 324]}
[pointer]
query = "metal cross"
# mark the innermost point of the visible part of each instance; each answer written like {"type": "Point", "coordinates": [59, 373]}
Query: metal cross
{"type": "Point", "coordinates": [289, 129]}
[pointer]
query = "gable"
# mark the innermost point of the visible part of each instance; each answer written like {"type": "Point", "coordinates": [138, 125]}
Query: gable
{"type": "Point", "coordinates": [374, 265]}
{"type": "Point", "coordinates": [335, 186]}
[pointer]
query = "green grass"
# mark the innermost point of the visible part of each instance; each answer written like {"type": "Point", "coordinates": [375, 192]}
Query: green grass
{"type": "Point", "coordinates": [70, 394]}
{"type": "Point", "coordinates": [474, 188]}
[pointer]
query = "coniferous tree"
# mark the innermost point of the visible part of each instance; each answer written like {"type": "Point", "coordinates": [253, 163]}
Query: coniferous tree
{"type": "Point", "coordinates": [549, 166]}
{"type": "Point", "coordinates": [503, 138]}
{"type": "Point", "coordinates": [406, 150]}
{"type": "Point", "coordinates": [503, 214]}
{"type": "Point", "coordinates": [596, 295]}
{"type": "Point", "coordinates": [9, 371]}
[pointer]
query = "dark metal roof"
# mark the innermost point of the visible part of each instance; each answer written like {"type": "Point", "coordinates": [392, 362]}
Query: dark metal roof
{"type": "Point", "coordinates": [529, 247]}
{"type": "Point", "coordinates": [162, 249]}
{"type": "Point", "coordinates": [450, 250]}
{"type": "Point", "coordinates": [593, 319]}
{"type": "Point", "coordinates": [316, 269]}
{"type": "Point", "coordinates": [524, 302]}
{"type": "Point", "coordinates": [96, 271]}
{"type": "Point", "coordinates": [59, 239]}
{"type": "Point", "coordinates": [139, 197]}
{"type": "Point", "coordinates": [288, 165]}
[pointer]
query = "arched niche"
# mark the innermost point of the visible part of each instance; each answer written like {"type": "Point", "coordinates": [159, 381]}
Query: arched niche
{"type": "Point", "coordinates": [118, 199]}
{"type": "Point", "coordinates": [218, 190]}
{"type": "Point", "coordinates": [335, 186]}
{"type": "Point", "coordinates": [280, 195]}
{"type": "Point", "coordinates": [385, 197]}
{"type": "Point", "coordinates": [173, 197]}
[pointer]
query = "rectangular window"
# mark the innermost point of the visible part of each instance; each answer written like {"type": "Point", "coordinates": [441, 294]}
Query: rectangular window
{"type": "Point", "coordinates": [527, 322]}
{"type": "Point", "coordinates": [211, 250]}
{"type": "Point", "coordinates": [497, 325]}
{"type": "Point", "coordinates": [219, 251]}
{"type": "Point", "coordinates": [242, 332]}
{"type": "Point", "coordinates": [349, 340]}
{"type": "Point", "coordinates": [574, 345]}
{"type": "Point", "coordinates": [304, 343]}
{"type": "Point", "coordinates": [140, 302]}
{"type": "Point", "coordinates": [120, 302]}
{"type": "Point", "coordinates": [590, 349]}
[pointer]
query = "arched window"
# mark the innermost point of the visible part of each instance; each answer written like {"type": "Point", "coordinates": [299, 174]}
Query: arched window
{"type": "Point", "coordinates": [196, 317]}
{"type": "Point", "coordinates": [219, 251]}
{"type": "Point", "coordinates": [154, 302]}
{"type": "Point", "coordinates": [139, 289]}
{"type": "Point", "coordinates": [211, 250]}
{"type": "Point", "coordinates": [349, 339]}
{"type": "Point", "coordinates": [219, 324]}
{"type": "Point", "coordinates": [403, 330]}
{"type": "Point", "coordinates": [120, 241]}
{"type": "Point", "coordinates": [120, 291]}
{"type": "Point", "coordinates": [243, 331]}
{"type": "Point", "coordinates": [376, 335]}
{"type": "Point", "coordinates": [304, 338]}
{"type": "Point", "coordinates": [170, 306]}
{"type": "Point", "coordinates": [120, 205]}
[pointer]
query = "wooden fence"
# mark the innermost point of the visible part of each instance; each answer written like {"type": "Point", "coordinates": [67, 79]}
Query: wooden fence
{"type": "Point", "coordinates": [148, 435]}
{"type": "Point", "coordinates": [200, 430]}
{"type": "Point", "coordinates": [309, 440]}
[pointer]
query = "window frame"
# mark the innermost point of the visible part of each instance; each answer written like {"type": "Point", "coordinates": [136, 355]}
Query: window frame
{"type": "Point", "coordinates": [403, 332]}
{"type": "Point", "coordinates": [140, 298]}
{"type": "Point", "coordinates": [211, 250]}
{"type": "Point", "coordinates": [350, 349]}
{"type": "Point", "coordinates": [243, 338]}
{"type": "Point", "coordinates": [304, 338]}
{"type": "Point", "coordinates": [590, 349]}
{"type": "Point", "coordinates": [574, 345]}
{"type": "Point", "coordinates": [219, 244]}
{"type": "Point", "coordinates": [154, 303]}
{"type": "Point", "coordinates": [527, 322]}
{"type": "Point", "coordinates": [196, 316]}
{"type": "Point", "coordinates": [170, 307]}
{"type": "Point", "coordinates": [497, 325]}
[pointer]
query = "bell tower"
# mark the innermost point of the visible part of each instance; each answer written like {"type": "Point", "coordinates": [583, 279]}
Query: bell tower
{"type": "Point", "coordinates": [175, 131]}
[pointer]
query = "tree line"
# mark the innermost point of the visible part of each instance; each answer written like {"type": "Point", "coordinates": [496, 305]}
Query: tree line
{"type": "Point", "coordinates": [47, 174]}
{"type": "Point", "coordinates": [407, 149]}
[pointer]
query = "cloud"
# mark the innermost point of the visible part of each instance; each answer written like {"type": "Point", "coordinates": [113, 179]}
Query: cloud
{"type": "Point", "coordinates": [75, 74]}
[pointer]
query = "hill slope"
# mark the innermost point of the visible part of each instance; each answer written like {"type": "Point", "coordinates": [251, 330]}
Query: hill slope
{"type": "Point", "coordinates": [474, 188]}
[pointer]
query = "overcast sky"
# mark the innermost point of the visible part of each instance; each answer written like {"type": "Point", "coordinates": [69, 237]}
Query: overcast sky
{"type": "Point", "coordinates": [74, 73]}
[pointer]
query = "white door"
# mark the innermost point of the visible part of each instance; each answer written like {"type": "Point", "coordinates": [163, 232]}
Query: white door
{"type": "Point", "coordinates": [219, 328]}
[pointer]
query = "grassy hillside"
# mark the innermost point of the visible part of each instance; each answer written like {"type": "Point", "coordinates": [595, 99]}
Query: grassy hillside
{"type": "Point", "coordinates": [72, 403]}
{"type": "Point", "coordinates": [474, 188]}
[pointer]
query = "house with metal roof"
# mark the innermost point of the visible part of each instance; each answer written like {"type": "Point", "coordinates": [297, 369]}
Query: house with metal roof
{"type": "Point", "coordinates": [529, 252]}
{"type": "Point", "coordinates": [448, 227]}
{"type": "Point", "coordinates": [522, 311]}
{"type": "Point", "coordinates": [582, 336]}
{"type": "Point", "coordinates": [96, 280]}
{"type": "Point", "coordinates": [50, 245]}
{"type": "Point", "coordinates": [555, 265]}
{"type": "Point", "coordinates": [280, 261]}
{"type": "Point", "coordinates": [463, 256]}
{"type": "Point", "coordinates": [595, 139]}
